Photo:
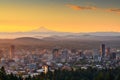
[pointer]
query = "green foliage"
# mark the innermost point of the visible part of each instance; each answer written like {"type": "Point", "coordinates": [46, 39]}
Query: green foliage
{"type": "Point", "coordinates": [89, 74]}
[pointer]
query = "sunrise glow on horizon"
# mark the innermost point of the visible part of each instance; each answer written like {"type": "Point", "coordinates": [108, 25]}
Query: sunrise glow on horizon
{"type": "Point", "coordinates": [60, 15]}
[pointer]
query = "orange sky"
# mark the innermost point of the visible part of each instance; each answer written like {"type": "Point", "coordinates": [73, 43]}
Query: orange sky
{"type": "Point", "coordinates": [63, 17]}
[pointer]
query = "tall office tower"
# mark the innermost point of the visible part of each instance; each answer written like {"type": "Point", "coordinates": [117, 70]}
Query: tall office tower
{"type": "Point", "coordinates": [1, 54]}
{"type": "Point", "coordinates": [12, 52]}
{"type": "Point", "coordinates": [103, 50]}
{"type": "Point", "coordinates": [113, 55]}
{"type": "Point", "coordinates": [108, 51]}
{"type": "Point", "coordinates": [65, 54]}
{"type": "Point", "coordinates": [55, 53]}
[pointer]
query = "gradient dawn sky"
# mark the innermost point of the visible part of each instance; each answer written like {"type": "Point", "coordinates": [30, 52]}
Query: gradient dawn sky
{"type": "Point", "coordinates": [60, 15]}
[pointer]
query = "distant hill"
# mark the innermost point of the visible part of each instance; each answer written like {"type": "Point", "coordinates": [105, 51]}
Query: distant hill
{"type": "Point", "coordinates": [64, 40]}
{"type": "Point", "coordinates": [27, 39]}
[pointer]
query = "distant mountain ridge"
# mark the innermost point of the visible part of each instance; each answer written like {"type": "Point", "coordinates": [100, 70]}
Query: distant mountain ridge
{"type": "Point", "coordinates": [44, 32]}
{"type": "Point", "coordinates": [81, 42]}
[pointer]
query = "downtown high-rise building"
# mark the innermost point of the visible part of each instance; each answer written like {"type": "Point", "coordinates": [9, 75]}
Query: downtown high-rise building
{"type": "Point", "coordinates": [12, 52]}
{"type": "Point", "coordinates": [55, 53]}
{"type": "Point", "coordinates": [108, 52]}
{"type": "Point", "coordinates": [103, 50]}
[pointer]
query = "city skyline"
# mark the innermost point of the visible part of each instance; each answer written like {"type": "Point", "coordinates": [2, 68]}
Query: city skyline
{"type": "Point", "coordinates": [60, 15]}
{"type": "Point", "coordinates": [59, 40]}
